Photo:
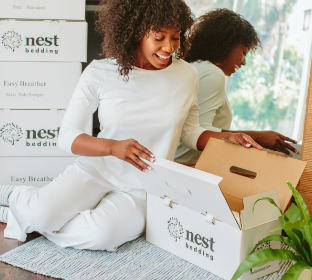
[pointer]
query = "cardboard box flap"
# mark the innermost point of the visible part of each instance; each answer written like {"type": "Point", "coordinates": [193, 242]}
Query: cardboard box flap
{"type": "Point", "coordinates": [268, 171]}
{"type": "Point", "coordinates": [264, 211]}
{"type": "Point", "coordinates": [188, 187]}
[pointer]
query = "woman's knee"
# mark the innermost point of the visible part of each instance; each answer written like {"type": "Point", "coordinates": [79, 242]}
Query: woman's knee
{"type": "Point", "coordinates": [41, 215]}
{"type": "Point", "coordinates": [105, 237]}
{"type": "Point", "coordinates": [111, 236]}
{"type": "Point", "coordinates": [45, 218]}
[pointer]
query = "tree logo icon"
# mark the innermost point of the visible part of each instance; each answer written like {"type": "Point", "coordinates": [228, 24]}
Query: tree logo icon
{"type": "Point", "coordinates": [10, 133]}
{"type": "Point", "coordinates": [11, 40]}
{"type": "Point", "coordinates": [175, 229]}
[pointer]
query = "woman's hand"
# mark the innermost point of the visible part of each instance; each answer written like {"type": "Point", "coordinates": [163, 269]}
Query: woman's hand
{"type": "Point", "coordinates": [130, 151]}
{"type": "Point", "coordinates": [273, 140]}
{"type": "Point", "coordinates": [244, 139]}
{"type": "Point", "coordinates": [239, 137]}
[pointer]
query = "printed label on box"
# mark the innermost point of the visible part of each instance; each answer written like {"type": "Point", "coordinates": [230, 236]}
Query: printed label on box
{"type": "Point", "coordinates": [32, 171]}
{"type": "Point", "coordinates": [43, 40]}
{"type": "Point", "coordinates": [43, 9]}
{"type": "Point", "coordinates": [37, 85]}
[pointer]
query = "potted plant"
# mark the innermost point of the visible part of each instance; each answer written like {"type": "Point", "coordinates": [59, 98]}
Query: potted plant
{"type": "Point", "coordinates": [296, 222]}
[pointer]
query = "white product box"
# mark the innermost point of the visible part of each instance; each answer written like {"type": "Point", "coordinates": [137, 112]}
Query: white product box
{"type": "Point", "coordinates": [43, 9]}
{"type": "Point", "coordinates": [32, 171]}
{"type": "Point", "coordinates": [38, 85]}
{"type": "Point", "coordinates": [189, 212]}
{"type": "Point", "coordinates": [46, 40]}
{"type": "Point", "coordinates": [32, 132]}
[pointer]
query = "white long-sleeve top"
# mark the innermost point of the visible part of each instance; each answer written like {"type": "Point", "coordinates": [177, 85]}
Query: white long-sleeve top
{"type": "Point", "coordinates": [157, 108]}
{"type": "Point", "coordinates": [215, 111]}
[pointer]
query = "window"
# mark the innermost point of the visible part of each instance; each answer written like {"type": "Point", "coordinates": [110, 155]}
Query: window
{"type": "Point", "coordinates": [269, 93]}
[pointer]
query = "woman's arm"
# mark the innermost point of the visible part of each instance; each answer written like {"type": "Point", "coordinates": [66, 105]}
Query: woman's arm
{"type": "Point", "coordinates": [211, 98]}
{"type": "Point", "coordinates": [83, 104]}
{"type": "Point", "coordinates": [196, 137]}
{"type": "Point", "coordinates": [128, 150]}
{"type": "Point", "coordinates": [211, 95]}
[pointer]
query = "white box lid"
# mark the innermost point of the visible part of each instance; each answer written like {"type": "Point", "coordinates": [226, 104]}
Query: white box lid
{"type": "Point", "coordinates": [189, 187]}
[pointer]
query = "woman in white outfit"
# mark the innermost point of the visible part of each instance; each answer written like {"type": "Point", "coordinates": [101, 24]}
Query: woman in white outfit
{"type": "Point", "coordinates": [220, 41]}
{"type": "Point", "coordinates": [147, 101]}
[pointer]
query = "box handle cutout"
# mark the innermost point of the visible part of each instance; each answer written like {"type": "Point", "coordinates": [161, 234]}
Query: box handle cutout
{"type": "Point", "coordinates": [243, 172]}
{"type": "Point", "coordinates": [179, 191]}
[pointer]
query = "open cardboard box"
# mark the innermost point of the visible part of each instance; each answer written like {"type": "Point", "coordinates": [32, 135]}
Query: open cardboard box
{"type": "Point", "coordinates": [206, 217]}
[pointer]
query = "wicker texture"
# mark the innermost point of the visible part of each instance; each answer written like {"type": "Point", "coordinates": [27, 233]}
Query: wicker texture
{"type": "Point", "coordinates": [305, 183]}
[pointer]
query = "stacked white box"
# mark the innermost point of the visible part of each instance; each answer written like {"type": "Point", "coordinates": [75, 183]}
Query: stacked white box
{"type": "Point", "coordinates": [40, 65]}
{"type": "Point", "coordinates": [43, 40]}
{"type": "Point", "coordinates": [37, 85]}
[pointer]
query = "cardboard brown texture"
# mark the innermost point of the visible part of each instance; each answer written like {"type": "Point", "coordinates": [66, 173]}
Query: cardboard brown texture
{"type": "Point", "coordinates": [272, 171]}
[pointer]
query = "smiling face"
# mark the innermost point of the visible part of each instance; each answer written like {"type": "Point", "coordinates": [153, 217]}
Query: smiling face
{"type": "Point", "coordinates": [234, 61]}
{"type": "Point", "coordinates": [155, 49]}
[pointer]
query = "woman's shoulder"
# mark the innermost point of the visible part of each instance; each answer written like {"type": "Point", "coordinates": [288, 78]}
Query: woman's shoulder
{"type": "Point", "coordinates": [186, 67]}
{"type": "Point", "coordinates": [103, 64]}
{"type": "Point", "coordinates": [97, 70]}
{"type": "Point", "coordinates": [207, 67]}
{"type": "Point", "coordinates": [208, 71]}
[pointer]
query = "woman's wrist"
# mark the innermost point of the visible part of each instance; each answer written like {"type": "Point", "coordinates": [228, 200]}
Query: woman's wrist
{"type": "Point", "coordinates": [107, 146]}
{"type": "Point", "coordinates": [227, 135]}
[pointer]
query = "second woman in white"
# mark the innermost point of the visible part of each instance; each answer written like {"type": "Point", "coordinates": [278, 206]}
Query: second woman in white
{"type": "Point", "coordinates": [220, 41]}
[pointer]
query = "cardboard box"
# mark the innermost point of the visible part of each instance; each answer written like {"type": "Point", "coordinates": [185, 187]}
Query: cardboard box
{"type": "Point", "coordinates": [43, 9]}
{"type": "Point", "coordinates": [32, 171]}
{"type": "Point", "coordinates": [48, 40]}
{"type": "Point", "coordinates": [32, 132]}
{"type": "Point", "coordinates": [38, 85]}
{"type": "Point", "coordinates": [207, 219]}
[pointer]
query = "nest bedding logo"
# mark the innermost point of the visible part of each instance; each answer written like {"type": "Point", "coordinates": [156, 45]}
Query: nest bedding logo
{"type": "Point", "coordinates": [36, 45]}
{"type": "Point", "coordinates": [194, 242]}
{"type": "Point", "coordinates": [11, 40]}
{"type": "Point", "coordinates": [10, 133]}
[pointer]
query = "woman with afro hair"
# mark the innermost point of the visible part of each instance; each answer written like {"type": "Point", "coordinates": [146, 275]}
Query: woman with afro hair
{"type": "Point", "coordinates": [147, 101]}
{"type": "Point", "coordinates": [220, 41]}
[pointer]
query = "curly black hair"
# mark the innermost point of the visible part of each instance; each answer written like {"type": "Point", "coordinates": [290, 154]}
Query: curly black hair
{"type": "Point", "coordinates": [217, 32]}
{"type": "Point", "coordinates": [125, 22]}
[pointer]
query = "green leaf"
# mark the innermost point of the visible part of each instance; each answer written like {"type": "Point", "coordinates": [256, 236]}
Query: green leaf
{"type": "Point", "coordinates": [303, 244]}
{"type": "Point", "coordinates": [269, 200]}
{"type": "Point", "coordinates": [303, 247]}
{"type": "Point", "coordinates": [304, 212]}
{"type": "Point", "coordinates": [293, 213]}
{"type": "Point", "coordinates": [296, 225]}
{"type": "Point", "coordinates": [275, 237]}
{"type": "Point", "coordinates": [262, 257]}
{"type": "Point", "coordinates": [295, 270]}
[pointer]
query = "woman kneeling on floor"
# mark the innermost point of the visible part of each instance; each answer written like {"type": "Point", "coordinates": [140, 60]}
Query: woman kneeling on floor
{"type": "Point", "coordinates": [146, 97]}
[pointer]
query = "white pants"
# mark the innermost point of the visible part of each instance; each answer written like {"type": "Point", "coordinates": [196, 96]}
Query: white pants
{"type": "Point", "coordinates": [79, 209]}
